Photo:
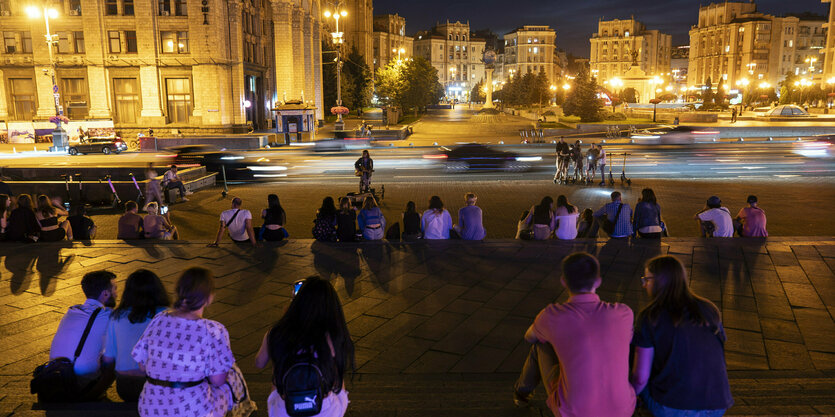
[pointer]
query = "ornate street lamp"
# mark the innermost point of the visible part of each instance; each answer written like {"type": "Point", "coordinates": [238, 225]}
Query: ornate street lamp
{"type": "Point", "coordinates": [59, 136]}
{"type": "Point", "coordinates": [337, 41]}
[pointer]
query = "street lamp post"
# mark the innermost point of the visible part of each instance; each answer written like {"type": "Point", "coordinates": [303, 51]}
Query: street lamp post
{"type": "Point", "coordinates": [616, 84]}
{"type": "Point", "coordinates": [399, 51]}
{"type": "Point", "coordinates": [742, 83]}
{"type": "Point", "coordinates": [59, 136]}
{"type": "Point", "coordinates": [338, 40]}
{"type": "Point", "coordinates": [450, 84]}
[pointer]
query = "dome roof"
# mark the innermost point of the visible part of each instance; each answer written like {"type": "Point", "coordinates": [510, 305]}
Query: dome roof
{"type": "Point", "coordinates": [787, 110]}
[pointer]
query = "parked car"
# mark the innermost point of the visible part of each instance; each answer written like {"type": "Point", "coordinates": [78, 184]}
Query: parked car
{"type": "Point", "coordinates": [94, 145]}
{"type": "Point", "coordinates": [475, 156]}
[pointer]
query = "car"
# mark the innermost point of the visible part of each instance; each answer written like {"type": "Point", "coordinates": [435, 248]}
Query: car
{"type": "Point", "coordinates": [675, 135]}
{"type": "Point", "coordinates": [236, 165]}
{"type": "Point", "coordinates": [479, 157]}
{"type": "Point", "coordinates": [93, 145]}
{"type": "Point", "coordinates": [820, 146]}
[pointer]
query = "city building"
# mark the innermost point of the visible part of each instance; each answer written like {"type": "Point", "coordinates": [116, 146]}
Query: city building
{"type": "Point", "coordinates": [531, 49]}
{"type": "Point", "coordinates": [455, 53]}
{"type": "Point", "coordinates": [735, 43]}
{"type": "Point", "coordinates": [828, 52]}
{"type": "Point", "coordinates": [390, 40]}
{"type": "Point", "coordinates": [618, 44]}
{"type": "Point", "coordinates": [679, 61]}
{"type": "Point", "coordinates": [358, 27]}
{"type": "Point", "coordinates": [177, 66]}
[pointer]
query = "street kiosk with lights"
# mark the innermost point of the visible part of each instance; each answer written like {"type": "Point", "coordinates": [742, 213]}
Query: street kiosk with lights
{"type": "Point", "coordinates": [295, 122]}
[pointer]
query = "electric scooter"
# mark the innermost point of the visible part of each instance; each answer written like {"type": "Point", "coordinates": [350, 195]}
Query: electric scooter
{"type": "Point", "coordinates": [623, 172]}
{"type": "Point", "coordinates": [611, 179]}
{"type": "Point", "coordinates": [67, 180]}
{"type": "Point", "coordinates": [139, 197]}
{"type": "Point", "coordinates": [225, 186]}
{"type": "Point", "coordinates": [82, 199]}
{"type": "Point", "coordinates": [116, 201]}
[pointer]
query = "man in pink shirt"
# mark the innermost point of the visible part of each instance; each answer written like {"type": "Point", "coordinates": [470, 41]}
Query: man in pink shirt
{"type": "Point", "coordinates": [752, 219]}
{"type": "Point", "coordinates": [580, 349]}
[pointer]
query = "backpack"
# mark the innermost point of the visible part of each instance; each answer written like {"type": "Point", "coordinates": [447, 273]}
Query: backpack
{"type": "Point", "coordinates": [324, 229]}
{"type": "Point", "coordinates": [303, 387]}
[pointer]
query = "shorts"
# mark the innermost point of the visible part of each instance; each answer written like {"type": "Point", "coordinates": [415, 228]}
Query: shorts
{"type": "Point", "coordinates": [54, 235]}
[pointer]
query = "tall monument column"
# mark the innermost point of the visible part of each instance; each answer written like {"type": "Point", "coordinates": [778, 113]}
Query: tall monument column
{"type": "Point", "coordinates": [309, 50]}
{"type": "Point", "coordinates": [283, 44]}
{"type": "Point", "coordinates": [298, 55]}
{"type": "Point", "coordinates": [489, 58]}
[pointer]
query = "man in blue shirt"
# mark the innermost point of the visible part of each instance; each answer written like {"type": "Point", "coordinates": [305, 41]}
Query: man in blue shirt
{"type": "Point", "coordinates": [618, 213]}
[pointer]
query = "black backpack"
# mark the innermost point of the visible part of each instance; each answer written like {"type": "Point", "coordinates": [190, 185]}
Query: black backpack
{"type": "Point", "coordinates": [303, 385]}
{"type": "Point", "coordinates": [55, 381]}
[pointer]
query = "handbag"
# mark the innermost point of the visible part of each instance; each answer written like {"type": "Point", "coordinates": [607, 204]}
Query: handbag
{"type": "Point", "coordinates": [55, 381]}
{"type": "Point", "coordinates": [242, 405]}
{"type": "Point", "coordinates": [609, 225]}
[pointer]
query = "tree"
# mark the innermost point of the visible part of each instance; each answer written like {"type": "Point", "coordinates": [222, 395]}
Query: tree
{"type": "Point", "coordinates": [411, 84]}
{"type": "Point", "coordinates": [582, 101]}
{"type": "Point", "coordinates": [539, 92]}
{"type": "Point", "coordinates": [707, 93]}
{"type": "Point", "coordinates": [719, 98]}
{"type": "Point", "coordinates": [477, 93]}
{"type": "Point", "coordinates": [629, 95]}
{"type": "Point", "coordinates": [390, 83]}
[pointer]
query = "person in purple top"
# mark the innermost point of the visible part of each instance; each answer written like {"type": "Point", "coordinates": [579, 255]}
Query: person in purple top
{"type": "Point", "coordinates": [470, 226]}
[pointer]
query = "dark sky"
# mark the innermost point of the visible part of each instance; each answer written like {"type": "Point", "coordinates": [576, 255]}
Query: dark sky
{"type": "Point", "coordinates": [575, 20]}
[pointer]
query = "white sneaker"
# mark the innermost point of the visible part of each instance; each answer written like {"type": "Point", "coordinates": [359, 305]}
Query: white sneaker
{"type": "Point", "coordinates": [189, 192]}
{"type": "Point", "coordinates": [184, 199]}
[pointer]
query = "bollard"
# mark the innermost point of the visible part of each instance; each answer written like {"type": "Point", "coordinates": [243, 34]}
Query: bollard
{"type": "Point", "coordinates": [714, 139]}
{"type": "Point", "coordinates": [411, 144]}
{"type": "Point", "coordinates": [770, 138]}
{"type": "Point", "coordinates": [602, 140]}
{"type": "Point", "coordinates": [553, 141]}
{"type": "Point", "coordinates": [799, 139]}
{"type": "Point", "coordinates": [14, 150]}
{"type": "Point", "coordinates": [631, 140]}
{"type": "Point", "coordinates": [580, 140]}
{"type": "Point", "coordinates": [501, 142]}
{"type": "Point", "coordinates": [435, 143]}
{"type": "Point", "coordinates": [741, 140]}
{"type": "Point", "coordinates": [391, 144]}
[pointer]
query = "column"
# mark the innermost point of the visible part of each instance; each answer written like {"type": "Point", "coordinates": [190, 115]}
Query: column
{"type": "Point", "coordinates": [317, 68]}
{"type": "Point", "coordinates": [309, 78]}
{"type": "Point", "coordinates": [149, 84]}
{"type": "Point", "coordinates": [4, 110]}
{"type": "Point", "coordinates": [283, 43]}
{"type": "Point", "coordinates": [99, 93]}
{"type": "Point", "coordinates": [147, 38]}
{"type": "Point", "coordinates": [298, 54]}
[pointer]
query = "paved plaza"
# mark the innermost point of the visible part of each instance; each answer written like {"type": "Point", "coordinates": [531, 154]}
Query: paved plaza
{"type": "Point", "coordinates": [438, 325]}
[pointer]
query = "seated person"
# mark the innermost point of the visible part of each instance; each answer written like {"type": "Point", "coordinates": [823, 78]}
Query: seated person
{"type": "Point", "coordinates": [93, 377]}
{"type": "Point", "coordinates": [715, 220]}
{"type": "Point", "coordinates": [238, 222]}
{"type": "Point", "coordinates": [752, 219]}
{"type": "Point", "coordinates": [274, 220]}
{"type": "Point", "coordinates": [580, 349]}
{"type": "Point", "coordinates": [82, 226]}
{"type": "Point", "coordinates": [436, 221]}
{"type": "Point", "coordinates": [346, 221]}
{"type": "Point", "coordinates": [411, 222]}
{"type": "Point", "coordinates": [371, 222]}
{"type": "Point", "coordinates": [470, 225]}
{"type": "Point", "coordinates": [144, 296]}
{"type": "Point", "coordinates": [22, 224]}
{"type": "Point", "coordinates": [47, 214]}
{"type": "Point", "coordinates": [171, 180]}
{"type": "Point", "coordinates": [156, 226]}
{"type": "Point", "coordinates": [130, 224]}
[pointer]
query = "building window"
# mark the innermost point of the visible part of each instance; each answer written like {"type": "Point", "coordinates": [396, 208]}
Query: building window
{"type": "Point", "coordinates": [164, 7]}
{"type": "Point", "coordinates": [114, 41]}
{"type": "Point", "coordinates": [126, 95]}
{"type": "Point", "coordinates": [111, 7]}
{"type": "Point", "coordinates": [75, 7]}
{"type": "Point", "coordinates": [174, 42]}
{"type": "Point", "coordinates": [130, 41]}
{"type": "Point", "coordinates": [180, 7]}
{"type": "Point", "coordinates": [26, 42]}
{"type": "Point", "coordinates": [5, 8]}
{"type": "Point", "coordinates": [64, 43]}
{"type": "Point", "coordinates": [74, 95]}
{"type": "Point", "coordinates": [182, 42]}
{"type": "Point", "coordinates": [22, 97]}
{"type": "Point", "coordinates": [127, 7]}
{"type": "Point", "coordinates": [78, 39]}
{"type": "Point", "coordinates": [178, 96]}
{"type": "Point", "coordinates": [9, 42]}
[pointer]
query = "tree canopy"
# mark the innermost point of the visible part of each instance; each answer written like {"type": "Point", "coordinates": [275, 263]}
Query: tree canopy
{"type": "Point", "coordinates": [409, 84]}
{"type": "Point", "coordinates": [582, 100]}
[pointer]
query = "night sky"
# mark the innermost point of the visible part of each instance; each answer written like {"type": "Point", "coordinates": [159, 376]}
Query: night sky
{"type": "Point", "coordinates": [574, 21]}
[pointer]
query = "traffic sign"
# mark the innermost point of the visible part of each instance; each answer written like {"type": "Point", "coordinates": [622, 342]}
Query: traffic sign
{"type": "Point", "coordinates": [54, 88]}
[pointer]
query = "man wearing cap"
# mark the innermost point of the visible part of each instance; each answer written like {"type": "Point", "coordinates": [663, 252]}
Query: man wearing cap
{"type": "Point", "coordinates": [715, 220]}
{"type": "Point", "coordinates": [752, 219]}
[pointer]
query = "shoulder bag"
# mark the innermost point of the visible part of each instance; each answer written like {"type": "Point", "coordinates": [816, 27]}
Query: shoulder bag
{"type": "Point", "coordinates": [55, 381]}
{"type": "Point", "coordinates": [609, 225]}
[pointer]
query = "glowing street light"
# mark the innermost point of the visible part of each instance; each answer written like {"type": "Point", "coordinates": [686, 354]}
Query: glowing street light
{"type": "Point", "coordinates": [811, 61]}
{"type": "Point", "coordinates": [399, 51]}
{"type": "Point", "coordinates": [34, 12]}
{"type": "Point", "coordinates": [338, 40]}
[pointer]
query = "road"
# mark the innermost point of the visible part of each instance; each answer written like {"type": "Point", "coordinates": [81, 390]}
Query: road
{"type": "Point", "coordinates": [398, 164]}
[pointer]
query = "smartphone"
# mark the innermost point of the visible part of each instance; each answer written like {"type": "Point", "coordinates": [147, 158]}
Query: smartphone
{"type": "Point", "coordinates": [163, 210]}
{"type": "Point", "coordinates": [67, 205]}
{"type": "Point", "coordinates": [297, 286]}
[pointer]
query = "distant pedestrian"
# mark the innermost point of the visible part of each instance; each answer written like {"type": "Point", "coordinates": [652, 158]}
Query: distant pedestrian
{"type": "Point", "coordinates": [562, 159]}
{"type": "Point", "coordinates": [715, 220]}
{"type": "Point", "coordinates": [601, 161]}
{"type": "Point", "coordinates": [470, 225]}
{"type": "Point", "coordinates": [153, 188]}
{"type": "Point", "coordinates": [733, 115]}
{"type": "Point", "coordinates": [751, 219]}
{"type": "Point", "coordinates": [615, 217]}
{"type": "Point", "coordinates": [577, 157]}
{"type": "Point", "coordinates": [679, 366]}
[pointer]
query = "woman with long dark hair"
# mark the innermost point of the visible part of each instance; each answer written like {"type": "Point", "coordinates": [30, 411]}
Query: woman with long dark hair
{"type": "Point", "coordinates": [346, 221]}
{"type": "Point", "coordinates": [324, 225]}
{"type": "Point", "coordinates": [436, 221]}
{"type": "Point", "coordinates": [584, 227]}
{"type": "Point", "coordinates": [679, 347]}
{"type": "Point", "coordinates": [22, 224]}
{"type": "Point", "coordinates": [565, 219]}
{"type": "Point", "coordinates": [411, 221]}
{"type": "Point", "coordinates": [647, 218]}
{"type": "Point", "coordinates": [187, 359]}
{"type": "Point", "coordinates": [541, 218]}
{"type": "Point", "coordinates": [312, 330]}
{"type": "Point", "coordinates": [274, 220]}
{"type": "Point", "coordinates": [5, 209]}
{"type": "Point", "coordinates": [143, 298]}
{"type": "Point", "coordinates": [47, 214]}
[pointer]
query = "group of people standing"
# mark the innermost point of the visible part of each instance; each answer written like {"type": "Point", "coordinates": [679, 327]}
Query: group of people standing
{"type": "Point", "coordinates": [584, 165]}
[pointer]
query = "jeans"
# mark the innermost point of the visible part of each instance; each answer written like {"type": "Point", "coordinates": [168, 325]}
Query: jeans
{"type": "Point", "coordinates": [542, 365]}
{"type": "Point", "coordinates": [178, 185]}
{"type": "Point", "coordinates": [659, 410]}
